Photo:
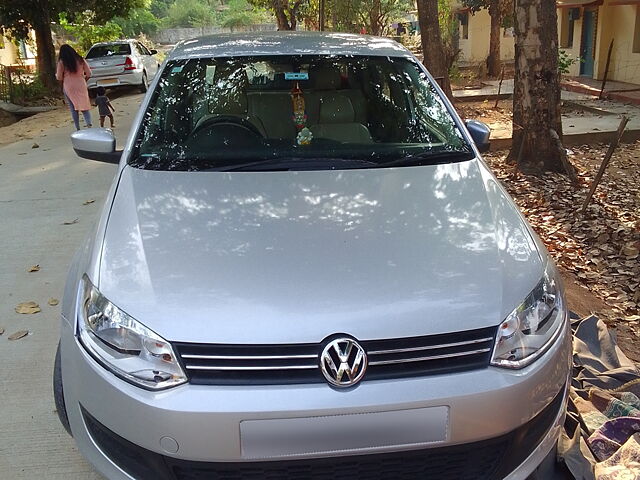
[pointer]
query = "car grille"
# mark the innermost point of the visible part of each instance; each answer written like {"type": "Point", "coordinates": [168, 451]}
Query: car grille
{"type": "Point", "coordinates": [222, 364]}
{"type": "Point", "coordinates": [490, 459]}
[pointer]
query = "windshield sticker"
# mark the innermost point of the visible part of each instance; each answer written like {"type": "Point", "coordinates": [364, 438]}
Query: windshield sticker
{"type": "Point", "coordinates": [177, 69]}
{"type": "Point", "coordinates": [296, 76]}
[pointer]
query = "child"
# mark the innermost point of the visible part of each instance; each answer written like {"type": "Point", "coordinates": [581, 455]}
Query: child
{"type": "Point", "coordinates": [103, 103]}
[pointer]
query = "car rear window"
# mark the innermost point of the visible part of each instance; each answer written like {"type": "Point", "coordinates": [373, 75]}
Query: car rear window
{"type": "Point", "coordinates": [109, 50]}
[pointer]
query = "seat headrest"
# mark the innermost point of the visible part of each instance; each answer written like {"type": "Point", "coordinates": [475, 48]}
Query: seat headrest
{"type": "Point", "coordinates": [336, 109]}
{"type": "Point", "coordinates": [326, 78]}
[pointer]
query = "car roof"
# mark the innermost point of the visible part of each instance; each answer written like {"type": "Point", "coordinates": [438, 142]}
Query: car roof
{"type": "Point", "coordinates": [287, 43]}
{"type": "Point", "coordinates": [115, 42]}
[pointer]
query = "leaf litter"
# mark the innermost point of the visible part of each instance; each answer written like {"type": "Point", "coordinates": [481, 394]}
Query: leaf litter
{"type": "Point", "coordinates": [600, 248]}
{"type": "Point", "coordinates": [18, 335]}
{"type": "Point", "coordinates": [27, 308]}
{"type": "Point", "coordinates": [53, 301]}
{"type": "Point", "coordinates": [34, 268]}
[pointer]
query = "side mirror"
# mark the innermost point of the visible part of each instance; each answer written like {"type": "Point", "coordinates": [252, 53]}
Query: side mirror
{"type": "Point", "coordinates": [480, 133]}
{"type": "Point", "coordinates": [153, 51]}
{"type": "Point", "coordinates": [96, 144]}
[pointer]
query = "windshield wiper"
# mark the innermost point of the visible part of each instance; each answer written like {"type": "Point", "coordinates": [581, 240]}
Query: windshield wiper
{"type": "Point", "coordinates": [429, 158]}
{"type": "Point", "coordinates": [303, 163]}
{"type": "Point", "coordinates": [297, 163]}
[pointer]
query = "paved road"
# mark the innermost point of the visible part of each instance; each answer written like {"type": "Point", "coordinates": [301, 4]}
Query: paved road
{"type": "Point", "coordinates": [40, 189]}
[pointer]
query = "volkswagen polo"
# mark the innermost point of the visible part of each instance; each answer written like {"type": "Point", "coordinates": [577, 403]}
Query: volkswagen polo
{"type": "Point", "coordinates": [304, 270]}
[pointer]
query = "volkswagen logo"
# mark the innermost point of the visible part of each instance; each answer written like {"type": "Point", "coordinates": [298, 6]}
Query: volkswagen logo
{"type": "Point", "coordinates": [343, 362]}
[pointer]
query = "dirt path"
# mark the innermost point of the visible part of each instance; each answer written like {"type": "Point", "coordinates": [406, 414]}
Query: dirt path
{"type": "Point", "coordinates": [36, 126]}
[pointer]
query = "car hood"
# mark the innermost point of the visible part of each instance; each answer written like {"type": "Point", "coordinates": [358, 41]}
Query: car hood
{"type": "Point", "coordinates": [284, 257]}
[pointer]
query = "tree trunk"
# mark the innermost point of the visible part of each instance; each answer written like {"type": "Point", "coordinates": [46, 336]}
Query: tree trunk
{"type": "Point", "coordinates": [536, 96]}
{"type": "Point", "coordinates": [46, 52]}
{"type": "Point", "coordinates": [287, 17]}
{"type": "Point", "coordinates": [432, 47]}
{"type": "Point", "coordinates": [493, 61]}
{"type": "Point", "coordinates": [281, 17]}
{"type": "Point", "coordinates": [374, 14]}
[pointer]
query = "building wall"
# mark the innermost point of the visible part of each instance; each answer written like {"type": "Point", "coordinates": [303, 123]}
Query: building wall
{"type": "Point", "coordinates": [572, 50]}
{"type": "Point", "coordinates": [476, 47]}
{"type": "Point", "coordinates": [617, 22]}
{"type": "Point", "coordinates": [8, 51]}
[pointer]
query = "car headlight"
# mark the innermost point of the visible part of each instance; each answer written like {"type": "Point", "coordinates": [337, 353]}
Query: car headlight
{"type": "Point", "coordinates": [530, 329]}
{"type": "Point", "coordinates": [125, 346]}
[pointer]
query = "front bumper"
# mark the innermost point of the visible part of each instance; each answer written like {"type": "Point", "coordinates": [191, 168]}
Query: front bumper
{"type": "Point", "coordinates": [134, 77]}
{"type": "Point", "coordinates": [193, 431]}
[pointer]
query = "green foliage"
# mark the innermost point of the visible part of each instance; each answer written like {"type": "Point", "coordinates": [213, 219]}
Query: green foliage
{"type": "Point", "coordinates": [160, 8]}
{"type": "Point", "coordinates": [27, 89]}
{"type": "Point", "coordinates": [351, 15]}
{"type": "Point", "coordinates": [189, 13]}
{"type": "Point", "coordinates": [19, 16]}
{"type": "Point", "coordinates": [505, 7]}
{"type": "Point", "coordinates": [139, 21]}
{"type": "Point", "coordinates": [565, 61]}
{"type": "Point", "coordinates": [86, 33]}
{"type": "Point", "coordinates": [241, 13]}
{"type": "Point", "coordinates": [287, 12]}
{"type": "Point", "coordinates": [448, 22]}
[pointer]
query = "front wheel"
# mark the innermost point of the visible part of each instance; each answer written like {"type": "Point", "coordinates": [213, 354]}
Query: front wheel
{"type": "Point", "coordinates": [144, 85]}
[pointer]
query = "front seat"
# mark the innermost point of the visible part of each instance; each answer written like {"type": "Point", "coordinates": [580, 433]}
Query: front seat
{"type": "Point", "coordinates": [337, 121]}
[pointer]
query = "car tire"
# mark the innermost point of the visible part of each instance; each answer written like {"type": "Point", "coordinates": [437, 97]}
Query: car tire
{"type": "Point", "coordinates": [144, 85]}
{"type": "Point", "coordinates": [58, 393]}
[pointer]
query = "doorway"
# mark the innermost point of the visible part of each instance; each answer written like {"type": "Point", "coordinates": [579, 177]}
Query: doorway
{"type": "Point", "coordinates": [587, 47]}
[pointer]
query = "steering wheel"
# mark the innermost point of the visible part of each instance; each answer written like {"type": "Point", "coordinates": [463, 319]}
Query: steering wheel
{"type": "Point", "coordinates": [228, 121]}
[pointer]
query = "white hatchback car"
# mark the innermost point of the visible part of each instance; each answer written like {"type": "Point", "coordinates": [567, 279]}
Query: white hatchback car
{"type": "Point", "coordinates": [305, 270]}
{"type": "Point", "coordinates": [125, 62]}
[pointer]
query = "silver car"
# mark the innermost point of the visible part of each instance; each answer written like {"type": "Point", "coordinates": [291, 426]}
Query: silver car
{"type": "Point", "coordinates": [126, 62]}
{"type": "Point", "coordinates": [305, 270]}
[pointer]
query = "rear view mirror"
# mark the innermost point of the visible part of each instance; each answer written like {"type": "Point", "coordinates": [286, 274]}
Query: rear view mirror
{"type": "Point", "coordinates": [153, 51]}
{"type": "Point", "coordinates": [480, 133]}
{"type": "Point", "coordinates": [96, 144]}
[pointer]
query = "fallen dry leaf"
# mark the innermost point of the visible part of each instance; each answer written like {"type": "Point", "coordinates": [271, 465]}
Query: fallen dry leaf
{"type": "Point", "coordinates": [1, 330]}
{"type": "Point", "coordinates": [35, 145]}
{"type": "Point", "coordinates": [630, 251]}
{"type": "Point", "coordinates": [27, 307]}
{"type": "Point", "coordinates": [19, 334]}
{"type": "Point", "coordinates": [53, 301]}
{"type": "Point", "coordinates": [34, 268]}
{"type": "Point", "coordinates": [75, 220]}
{"type": "Point", "coordinates": [88, 202]}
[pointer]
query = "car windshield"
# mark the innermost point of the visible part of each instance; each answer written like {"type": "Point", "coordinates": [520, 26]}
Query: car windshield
{"type": "Point", "coordinates": [109, 50]}
{"type": "Point", "coordinates": [295, 113]}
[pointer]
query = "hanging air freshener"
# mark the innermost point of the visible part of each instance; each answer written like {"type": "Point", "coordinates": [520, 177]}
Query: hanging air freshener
{"type": "Point", "coordinates": [299, 115]}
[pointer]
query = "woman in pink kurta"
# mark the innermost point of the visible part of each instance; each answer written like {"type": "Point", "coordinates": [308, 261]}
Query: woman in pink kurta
{"type": "Point", "coordinates": [73, 72]}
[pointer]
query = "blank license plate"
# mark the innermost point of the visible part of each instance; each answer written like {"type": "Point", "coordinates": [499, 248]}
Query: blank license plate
{"type": "Point", "coordinates": [107, 81]}
{"type": "Point", "coordinates": [343, 433]}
